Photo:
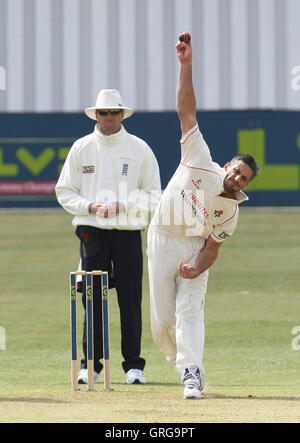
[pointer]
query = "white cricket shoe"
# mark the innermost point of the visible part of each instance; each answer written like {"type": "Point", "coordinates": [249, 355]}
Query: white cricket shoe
{"type": "Point", "coordinates": [193, 383]}
{"type": "Point", "coordinates": [135, 376]}
{"type": "Point", "coordinates": [83, 377]}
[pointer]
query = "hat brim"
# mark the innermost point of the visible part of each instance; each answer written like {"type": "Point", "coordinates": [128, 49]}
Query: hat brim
{"type": "Point", "coordinates": [90, 112]}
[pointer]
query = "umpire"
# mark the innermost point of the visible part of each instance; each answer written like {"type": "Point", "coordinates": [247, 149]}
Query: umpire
{"type": "Point", "coordinates": [110, 182]}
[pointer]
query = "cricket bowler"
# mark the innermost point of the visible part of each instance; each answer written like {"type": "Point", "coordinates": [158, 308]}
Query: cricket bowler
{"type": "Point", "coordinates": [198, 211]}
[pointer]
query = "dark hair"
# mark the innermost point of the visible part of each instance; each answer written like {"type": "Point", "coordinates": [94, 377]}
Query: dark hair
{"type": "Point", "coordinates": [250, 161]}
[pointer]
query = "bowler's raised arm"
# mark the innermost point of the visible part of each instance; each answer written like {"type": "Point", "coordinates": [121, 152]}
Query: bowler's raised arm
{"type": "Point", "coordinates": [186, 101]}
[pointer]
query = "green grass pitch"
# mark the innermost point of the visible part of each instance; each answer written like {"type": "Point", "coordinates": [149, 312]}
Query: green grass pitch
{"type": "Point", "coordinates": [252, 306]}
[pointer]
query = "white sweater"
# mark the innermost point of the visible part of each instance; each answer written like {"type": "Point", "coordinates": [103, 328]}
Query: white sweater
{"type": "Point", "coordinates": [104, 169]}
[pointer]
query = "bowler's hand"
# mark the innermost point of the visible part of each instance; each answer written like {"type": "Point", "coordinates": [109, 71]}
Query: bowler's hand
{"type": "Point", "coordinates": [184, 51]}
{"type": "Point", "coordinates": [187, 271]}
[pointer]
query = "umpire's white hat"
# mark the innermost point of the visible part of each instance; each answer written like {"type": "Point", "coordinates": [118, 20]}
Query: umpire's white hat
{"type": "Point", "coordinates": [108, 99]}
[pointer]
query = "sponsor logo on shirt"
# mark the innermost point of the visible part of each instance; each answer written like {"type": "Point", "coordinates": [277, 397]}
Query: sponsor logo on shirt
{"type": "Point", "coordinates": [199, 205]}
{"type": "Point", "coordinates": [198, 210]}
{"type": "Point", "coordinates": [88, 169]}
{"type": "Point", "coordinates": [223, 235]}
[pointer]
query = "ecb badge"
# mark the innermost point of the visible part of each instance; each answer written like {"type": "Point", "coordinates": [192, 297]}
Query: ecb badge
{"type": "Point", "coordinates": [125, 169]}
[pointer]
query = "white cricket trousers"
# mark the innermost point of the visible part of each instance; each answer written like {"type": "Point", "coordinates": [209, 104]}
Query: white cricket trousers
{"type": "Point", "coordinates": [177, 304]}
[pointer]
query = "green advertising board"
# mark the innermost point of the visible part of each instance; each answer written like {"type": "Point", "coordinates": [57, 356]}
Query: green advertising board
{"type": "Point", "coordinates": [33, 148]}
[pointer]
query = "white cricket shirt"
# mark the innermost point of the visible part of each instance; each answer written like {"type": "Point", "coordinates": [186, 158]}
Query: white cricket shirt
{"type": "Point", "coordinates": [191, 204]}
{"type": "Point", "coordinates": [105, 169]}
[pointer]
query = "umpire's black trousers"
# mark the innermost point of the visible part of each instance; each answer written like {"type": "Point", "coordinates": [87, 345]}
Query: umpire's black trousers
{"type": "Point", "coordinates": [99, 249]}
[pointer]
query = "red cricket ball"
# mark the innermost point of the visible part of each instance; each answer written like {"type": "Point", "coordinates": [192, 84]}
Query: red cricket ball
{"type": "Point", "coordinates": [185, 37]}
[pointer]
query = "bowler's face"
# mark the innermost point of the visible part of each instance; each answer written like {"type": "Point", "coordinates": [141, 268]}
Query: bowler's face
{"type": "Point", "coordinates": [238, 176]}
{"type": "Point", "coordinates": [109, 124]}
